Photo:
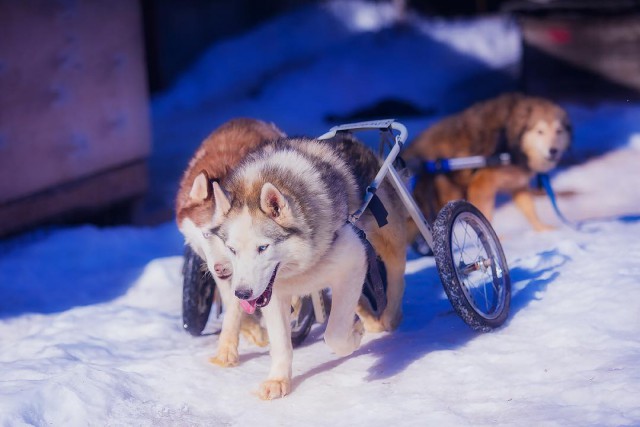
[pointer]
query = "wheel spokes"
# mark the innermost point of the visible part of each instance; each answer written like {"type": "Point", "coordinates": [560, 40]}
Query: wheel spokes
{"type": "Point", "coordinates": [476, 265]}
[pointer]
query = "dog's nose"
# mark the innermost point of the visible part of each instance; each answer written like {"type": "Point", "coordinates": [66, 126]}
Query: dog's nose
{"type": "Point", "coordinates": [553, 152]}
{"type": "Point", "coordinates": [222, 270]}
{"type": "Point", "coordinates": [244, 294]}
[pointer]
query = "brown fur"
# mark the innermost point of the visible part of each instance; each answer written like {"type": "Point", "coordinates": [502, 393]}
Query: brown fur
{"type": "Point", "coordinates": [389, 244]}
{"type": "Point", "coordinates": [221, 151]}
{"type": "Point", "coordinates": [388, 241]}
{"type": "Point", "coordinates": [513, 122]}
{"type": "Point", "coordinates": [218, 154]}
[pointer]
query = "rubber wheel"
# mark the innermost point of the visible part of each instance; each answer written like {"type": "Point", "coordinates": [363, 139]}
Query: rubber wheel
{"type": "Point", "coordinates": [302, 318]}
{"type": "Point", "coordinates": [198, 288]}
{"type": "Point", "coordinates": [472, 265]}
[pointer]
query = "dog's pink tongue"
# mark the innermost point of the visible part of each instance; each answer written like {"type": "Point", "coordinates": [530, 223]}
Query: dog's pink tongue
{"type": "Point", "coordinates": [248, 306]}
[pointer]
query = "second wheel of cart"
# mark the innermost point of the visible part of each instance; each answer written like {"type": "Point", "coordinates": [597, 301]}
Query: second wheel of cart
{"type": "Point", "coordinates": [472, 265]}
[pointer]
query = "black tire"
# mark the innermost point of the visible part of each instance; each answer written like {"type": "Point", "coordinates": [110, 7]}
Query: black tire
{"type": "Point", "coordinates": [472, 266]}
{"type": "Point", "coordinates": [198, 288]}
{"type": "Point", "coordinates": [302, 318]}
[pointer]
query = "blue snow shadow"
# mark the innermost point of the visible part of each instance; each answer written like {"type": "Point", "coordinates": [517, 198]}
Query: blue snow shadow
{"type": "Point", "coordinates": [50, 271]}
{"type": "Point", "coordinates": [431, 324]}
{"type": "Point", "coordinates": [528, 283]}
{"type": "Point", "coordinates": [629, 219]}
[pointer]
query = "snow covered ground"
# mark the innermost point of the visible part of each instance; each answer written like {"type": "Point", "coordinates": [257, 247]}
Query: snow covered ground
{"type": "Point", "coordinates": [90, 322]}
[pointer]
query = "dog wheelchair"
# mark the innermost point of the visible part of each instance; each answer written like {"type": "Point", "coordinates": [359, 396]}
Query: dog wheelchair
{"type": "Point", "coordinates": [468, 255]}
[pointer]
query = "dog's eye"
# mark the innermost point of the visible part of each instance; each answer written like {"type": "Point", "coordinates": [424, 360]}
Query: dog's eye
{"type": "Point", "coordinates": [262, 248]}
{"type": "Point", "coordinates": [233, 251]}
{"type": "Point", "coordinates": [540, 132]}
{"type": "Point", "coordinates": [206, 234]}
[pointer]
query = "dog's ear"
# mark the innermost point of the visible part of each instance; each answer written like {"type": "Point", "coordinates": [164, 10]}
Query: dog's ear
{"type": "Point", "coordinates": [274, 203]}
{"type": "Point", "coordinates": [222, 203]}
{"type": "Point", "coordinates": [201, 188]}
{"type": "Point", "coordinates": [277, 130]}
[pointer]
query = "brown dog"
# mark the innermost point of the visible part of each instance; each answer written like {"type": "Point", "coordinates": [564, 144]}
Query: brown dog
{"type": "Point", "coordinates": [219, 153]}
{"type": "Point", "coordinates": [534, 131]}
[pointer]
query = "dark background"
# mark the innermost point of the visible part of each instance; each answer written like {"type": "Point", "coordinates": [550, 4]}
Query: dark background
{"type": "Point", "coordinates": [176, 32]}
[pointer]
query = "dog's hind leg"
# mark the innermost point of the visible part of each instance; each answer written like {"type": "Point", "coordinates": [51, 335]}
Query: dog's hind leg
{"type": "Point", "coordinates": [395, 263]}
{"type": "Point", "coordinates": [388, 242]}
{"type": "Point", "coordinates": [343, 334]}
{"type": "Point", "coordinates": [252, 331]}
{"type": "Point", "coordinates": [445, 191]}
{"type": "Point", "coordinates": [277, 315]}
{"type": "Point", "coordinates": [482, 192]}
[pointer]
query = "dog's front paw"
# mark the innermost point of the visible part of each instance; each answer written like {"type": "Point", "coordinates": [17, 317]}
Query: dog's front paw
{"type": "Point", "coordinates": [227, 357]}
{"type": "Point", "coordinates": [346, 344]}
{"type": "Point", "coordinates": [274, 389]}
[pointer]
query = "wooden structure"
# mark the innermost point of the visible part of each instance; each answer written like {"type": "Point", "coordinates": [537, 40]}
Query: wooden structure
{"type": "Point", "coordinates": [74, 117]}
{"type": "Point", "coordinates": [580, 50]}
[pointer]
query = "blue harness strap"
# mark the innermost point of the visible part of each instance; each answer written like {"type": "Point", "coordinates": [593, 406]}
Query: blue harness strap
{"type": "Point", "coordinates": [440, 166]}
{"type": "Point", "coordinates": [545, 183]}
{"type": "Point", "coordinates": [437, 166]}
{"type": "Point", "coordinates": [444, 165]}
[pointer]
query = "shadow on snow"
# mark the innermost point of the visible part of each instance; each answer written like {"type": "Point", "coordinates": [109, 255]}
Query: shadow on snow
{"type": "Point", "coordinates": [430, 322]}
{"type": "Point", "coordinates": [50, 271]}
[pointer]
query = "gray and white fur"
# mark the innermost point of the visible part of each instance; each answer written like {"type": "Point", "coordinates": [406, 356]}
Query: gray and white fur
{"type": "Point", "coordinates": [282, 217]}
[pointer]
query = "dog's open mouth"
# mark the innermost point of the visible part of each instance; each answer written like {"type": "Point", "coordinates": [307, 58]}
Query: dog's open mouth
{"type": "Point", "coordinates": [262, 300]}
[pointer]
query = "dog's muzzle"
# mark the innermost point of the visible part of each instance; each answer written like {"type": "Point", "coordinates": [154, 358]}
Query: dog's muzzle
{"type": "Point", "coordinates": [250, 305]}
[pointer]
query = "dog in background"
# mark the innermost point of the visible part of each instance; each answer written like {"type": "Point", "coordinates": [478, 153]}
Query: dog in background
{"type": "Point", "coordinates": [282, 218]}
{"type": "Point", "coordinates": [218, 154]}
{"type": "Point", "coordinates": [534, 131]}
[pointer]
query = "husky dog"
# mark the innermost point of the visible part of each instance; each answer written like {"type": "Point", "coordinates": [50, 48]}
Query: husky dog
{"type": "Point", "coordinates": [534, 131]}
{"type": "Point", "coordinates": [217, 155]}
{"type": "Point", "coordinates": [282, 219]}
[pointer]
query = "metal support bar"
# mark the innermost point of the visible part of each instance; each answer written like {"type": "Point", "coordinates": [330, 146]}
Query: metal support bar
{"type": "Point", "coordinates": [410, 204]}
{"type": "Point", "coordinates": [387, 167]}
{"type": "Point", "coordinates": [374, 124]}
{"type": "Point", "coordinates": [373, 187]}
{"type": "Point", "coordinates": [478, 161]}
